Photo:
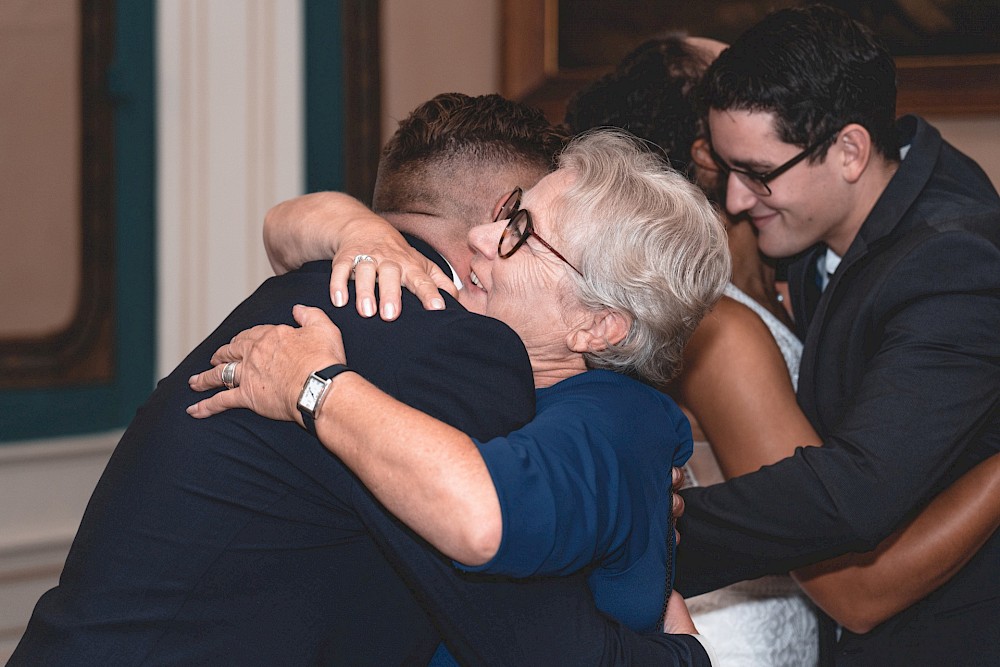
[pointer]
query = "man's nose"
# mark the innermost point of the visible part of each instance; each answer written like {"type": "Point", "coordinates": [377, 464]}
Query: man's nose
{"type": "Point", "coordinates": [739, 197]}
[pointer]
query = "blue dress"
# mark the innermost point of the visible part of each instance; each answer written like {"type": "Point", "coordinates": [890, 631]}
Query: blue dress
{"type": "Point", "coordinates": [588, 482]}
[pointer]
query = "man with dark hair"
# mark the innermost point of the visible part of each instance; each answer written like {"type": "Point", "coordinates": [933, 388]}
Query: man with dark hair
{"type": "Point", "coordinates": [453, 157]}
{"type": "Point", "coordinates": [240, 540]}
{"type": "Point", "coordinates": [896, 291]}
{"type": "Point", "coordinates": [483, 129]}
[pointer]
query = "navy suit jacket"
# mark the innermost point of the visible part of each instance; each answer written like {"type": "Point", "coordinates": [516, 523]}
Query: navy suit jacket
{"type": "Point", "coordinates": [900, 376]}
{"type": "Point", "coordinates": [239, 540]}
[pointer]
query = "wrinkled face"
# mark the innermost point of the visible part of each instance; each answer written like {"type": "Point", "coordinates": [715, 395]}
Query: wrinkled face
{"type": "Point", "coordinates": [532, 289]}
{"type": "Point", "coordinates": [808, 203]}
{"type": "Point", "coordinates": [476, 194]}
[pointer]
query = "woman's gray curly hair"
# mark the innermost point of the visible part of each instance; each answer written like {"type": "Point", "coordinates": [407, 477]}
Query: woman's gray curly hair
{"type": "Point", "coordinates": [651, 246]}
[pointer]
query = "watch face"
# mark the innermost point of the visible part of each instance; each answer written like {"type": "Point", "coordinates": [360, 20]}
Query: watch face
{"type": "Point", "coordinates": [311, 392]}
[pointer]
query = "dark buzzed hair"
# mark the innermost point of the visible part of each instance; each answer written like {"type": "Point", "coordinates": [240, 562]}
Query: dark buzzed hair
{"type": "Point", "coordinates": [488, 129]}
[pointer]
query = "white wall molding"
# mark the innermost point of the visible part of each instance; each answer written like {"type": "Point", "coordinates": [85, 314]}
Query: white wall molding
{"type": "Point", "coordinates": [44, 489]}
{"type": "Point", "coordinates": [229, 146]}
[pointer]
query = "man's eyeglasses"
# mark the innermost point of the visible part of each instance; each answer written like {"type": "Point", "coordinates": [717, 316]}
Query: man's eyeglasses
{"type": "Point", "coordinates": [519, 228]}
{"type": "Point", "coordinates": [757, 182]}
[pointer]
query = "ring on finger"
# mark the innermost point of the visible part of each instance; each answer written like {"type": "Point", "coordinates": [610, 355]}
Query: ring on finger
{"type": "Point", "coordinates": [363, 258]}
{"type": "Point", "coordinates": [229, 375]}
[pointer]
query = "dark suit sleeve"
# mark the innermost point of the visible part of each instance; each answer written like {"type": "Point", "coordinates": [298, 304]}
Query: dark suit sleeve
{"type": "Point", "coordinates": [919, 393]}
{"type": "Point", "coordinates": [472, 372]}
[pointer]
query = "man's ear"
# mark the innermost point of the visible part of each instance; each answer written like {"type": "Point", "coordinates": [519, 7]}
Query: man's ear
{"type": "Point", "coordinates": [607, 327]}
{"type": "Point", "coordinates": [855, 151]}
{"type": "Point", "coordinates": [701, 155]}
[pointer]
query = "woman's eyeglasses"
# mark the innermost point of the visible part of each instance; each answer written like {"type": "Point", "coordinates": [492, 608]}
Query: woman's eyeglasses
{"type": "Point", "coordinates": [519, 228]}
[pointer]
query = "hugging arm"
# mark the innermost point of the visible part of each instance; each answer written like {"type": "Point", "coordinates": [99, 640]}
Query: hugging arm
{"type": "Point", "coordinates": [734, 373]}
{"type": "Point", "coordinates": [333, 225]}
{"type": "Point", "coordinates": [437, 484]}
{"type": "Point", "coordinates": [525, 622]}
{"type": "Point", "coordinates": [493, 621]}
{"type": "Point", "coordinates": [862, 590]}
{"type": "Point", "coordinates": [434, 477]}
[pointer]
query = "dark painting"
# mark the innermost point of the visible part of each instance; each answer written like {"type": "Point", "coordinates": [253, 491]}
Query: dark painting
{"type": "Point", "coordinates": [593, 33]}
{"type": "Point", "coordinates": [947, 51]}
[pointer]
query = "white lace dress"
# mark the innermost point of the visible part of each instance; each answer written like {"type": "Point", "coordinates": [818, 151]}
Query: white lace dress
{"type": "Point", "coordinates": [767, 621]}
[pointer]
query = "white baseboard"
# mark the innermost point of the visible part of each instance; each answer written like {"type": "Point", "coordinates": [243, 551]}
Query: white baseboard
{"type": "Point", "coordinates": [44, 489]}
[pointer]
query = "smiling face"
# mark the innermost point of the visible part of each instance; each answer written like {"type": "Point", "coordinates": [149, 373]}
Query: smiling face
{"type": "Point", "coordinates": [651, 253]}
{"type": "Point", "coordinates": [456, 197]}
{"type": "Point", "coordinates": [808, 203]}
{"type": "Point", "coordinates": [532, 290]}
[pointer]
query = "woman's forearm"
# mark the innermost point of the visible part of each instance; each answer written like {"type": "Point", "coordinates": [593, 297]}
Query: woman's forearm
{"type": "Point", "coordinates": [862, 590]}
{"type": "Point", "coordinates": [311, 227]}
{"type": "Point", "coordinates": [424, 471]}
{"type": "Point", "coordinates": [428, 474]}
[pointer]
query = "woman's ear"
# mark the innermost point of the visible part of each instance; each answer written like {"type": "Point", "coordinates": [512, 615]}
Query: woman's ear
{"type": "Point", "coordinates": [607, 327]}
{"type": "Point", "coordinates": [701, 155]}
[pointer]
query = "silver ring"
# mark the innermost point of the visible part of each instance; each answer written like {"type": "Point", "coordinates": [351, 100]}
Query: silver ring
{"type": "Point", "coordinates": [229, 375]}
{"type": "Point", "coordinates": [363, 258]}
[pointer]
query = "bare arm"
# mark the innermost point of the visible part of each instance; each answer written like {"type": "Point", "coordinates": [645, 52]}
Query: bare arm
{"type": "Point", "coordinates": [333, 225]}
{"type": "Point", "coordinates": [427, 473]}
{"type": "Point", "coordinates": [309, 228]}
{"type": "Point", "coordinates": [736, 384]}
{"type": "Point", "coordinates": [915, 560]}
{"type": "Point", "coordinates": [437, 484]}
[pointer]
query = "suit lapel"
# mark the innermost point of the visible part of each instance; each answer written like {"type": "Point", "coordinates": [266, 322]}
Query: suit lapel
{"type": "Point", "coordinates": [906, 184]}
{"type": "Point", "coordinates": [814, 307]}
{"type": "Point", "coordinates": [804, 288]}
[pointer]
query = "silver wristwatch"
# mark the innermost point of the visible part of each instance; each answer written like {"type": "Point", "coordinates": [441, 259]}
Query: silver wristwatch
{"type": "Point", "coordinates": [314, 392]}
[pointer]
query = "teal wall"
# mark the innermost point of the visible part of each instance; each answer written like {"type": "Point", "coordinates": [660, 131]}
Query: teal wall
{"type": "Point", "coordinates": [324, 86]}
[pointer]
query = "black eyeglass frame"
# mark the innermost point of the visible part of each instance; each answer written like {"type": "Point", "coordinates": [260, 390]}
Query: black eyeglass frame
{"type": "Point", "coordinates": [511, 211]}
{"type": "Point", "coordinates": [752, 178]}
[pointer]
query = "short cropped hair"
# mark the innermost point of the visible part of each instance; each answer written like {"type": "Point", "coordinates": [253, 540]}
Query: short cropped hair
{"type": "Point", "coordinates": [652, 93]}
{"type": "Point", "coordinates": [816, 70]}
{"type": "Point", "coordinates": [652, 246]}
{"type": "Point", "coordinates": [452, 128]}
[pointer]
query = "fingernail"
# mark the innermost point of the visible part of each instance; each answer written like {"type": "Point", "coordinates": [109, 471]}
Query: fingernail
{"type": "Point", "coordinates": [437, 304]}
{"type": "Point", "coordinates": [191, 380]}
{"type": "Point", "coordinates": [338, 298]}
{"type": "Point", "coordinates": [367, 308]}
{"type": "Point", "coordinates": [388, 311]}
{"type": "Point", "coordinates": [189, 410]}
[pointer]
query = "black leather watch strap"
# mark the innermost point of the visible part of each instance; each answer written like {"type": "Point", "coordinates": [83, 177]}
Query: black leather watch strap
{"type": "Point", "coordinates": [325, 376]}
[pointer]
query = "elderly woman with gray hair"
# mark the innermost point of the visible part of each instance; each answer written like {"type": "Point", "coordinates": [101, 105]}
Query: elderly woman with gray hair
{"type": "Point", "coordinates": [603, 268]}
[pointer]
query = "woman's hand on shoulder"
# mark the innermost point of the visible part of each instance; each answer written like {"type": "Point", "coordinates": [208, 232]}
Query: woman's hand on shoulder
{"type": "Point", "coordinates": [268, 365]}
{"type": "Point", "coordinates": [363, 245]}
{"type": "Point", "coordinates": [378, 254]}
